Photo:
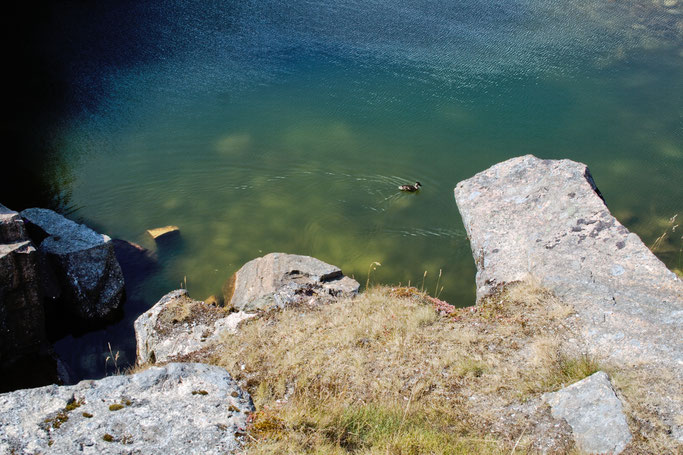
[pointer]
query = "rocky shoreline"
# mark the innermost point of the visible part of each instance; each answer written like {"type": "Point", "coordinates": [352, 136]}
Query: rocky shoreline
{"type": "Point", "coordinates": [527, 219]}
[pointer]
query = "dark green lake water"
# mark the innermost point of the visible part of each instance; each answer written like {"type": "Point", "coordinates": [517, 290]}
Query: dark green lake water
{"type": "Point", "coordinates": [287, 126]}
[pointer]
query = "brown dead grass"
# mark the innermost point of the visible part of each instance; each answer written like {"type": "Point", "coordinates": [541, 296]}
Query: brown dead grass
{"type": "Point", "coordinates": [651, 396]}
{"type": "Point", "coordinates": [387, 373]}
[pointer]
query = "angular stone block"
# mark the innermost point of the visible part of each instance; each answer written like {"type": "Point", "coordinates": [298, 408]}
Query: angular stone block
{"type": "Point", "coordinates": [594, 412]}
{"type": "Point", "coordinates": [278, 279]}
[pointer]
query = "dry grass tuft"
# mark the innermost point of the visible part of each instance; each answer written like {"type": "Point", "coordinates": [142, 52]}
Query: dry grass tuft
{"type": "Point", "coordinates": [651, 402]}
{"type": "Point", "coordinates": [392, 372]}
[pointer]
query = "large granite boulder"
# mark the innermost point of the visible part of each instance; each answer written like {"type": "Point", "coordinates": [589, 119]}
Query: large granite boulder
{"type": "Point", "coordinates": [83, 262]}
{"type": "Point", "coordinates": [278, 279]}
{"type": "Point", "coordinates": [178, 408]}
{"type": "Point", "coordinates": [594, 412]}
{"type": "Point", "coordinates": [546, 218]}
{"type": "Point", "coordinates": [178, 326]}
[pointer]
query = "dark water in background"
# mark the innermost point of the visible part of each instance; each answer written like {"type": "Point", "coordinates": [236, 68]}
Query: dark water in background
{"type": "Point", "coordinates": [261, 126]}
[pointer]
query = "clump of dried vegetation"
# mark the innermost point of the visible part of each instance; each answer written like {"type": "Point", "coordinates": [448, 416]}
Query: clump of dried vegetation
{"type": "Point", "coordinates": [395, 371]}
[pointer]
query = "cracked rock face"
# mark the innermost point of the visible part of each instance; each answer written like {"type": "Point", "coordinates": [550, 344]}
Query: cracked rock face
{"type": "Point", "coordinates": [88, 275]}
{"type": "Point", "coordinates": [179, 408]}
{"type": "Point", "coordinates": [546, 218]}
{"type": "Point", "coordinates": [278, 279]}
{"type": "Point", "coordinates": [594, 412]}
{"type": "Point", "coordinates": [178, 326]}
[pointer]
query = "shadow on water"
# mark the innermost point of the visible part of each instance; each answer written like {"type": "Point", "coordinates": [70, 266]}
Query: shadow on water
{"type": "Point", "coordinates": [33, 172]}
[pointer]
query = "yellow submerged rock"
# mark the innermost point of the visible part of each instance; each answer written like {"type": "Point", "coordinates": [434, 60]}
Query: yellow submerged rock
{"type": "Point", "coordinates": [165, 231]}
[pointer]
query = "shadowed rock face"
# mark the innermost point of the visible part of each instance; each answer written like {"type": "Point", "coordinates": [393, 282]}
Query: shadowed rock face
{"type": "Point", "coordinates": [136, 262]}
{"type": "Point", "coordinates": [22, 318]}
{"type": "Point", "coordinates": [594, 412]}
{"type": "Point", "coordinates": [11, 226]}
{"type": "Point", "coordinates": [278, 279]}
{"type": "Point", "coordinates": [83, 261]}
{"type": "Point", "coordinates": [178, 408]}
{"type": "Point", "coordinates": [546, 218]}
{"type": "Point", "coordinates": [25, 355]}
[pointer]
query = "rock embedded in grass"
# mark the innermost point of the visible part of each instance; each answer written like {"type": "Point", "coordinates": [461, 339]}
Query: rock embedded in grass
{"type": "Point", "coordinates": [164, 416]}
{"type": "Point", "coordinates": [594, 412]}
{"type": "Point", "coordinates": [180, 326]}
{"type": "Point", "coordinates": [278, 279]}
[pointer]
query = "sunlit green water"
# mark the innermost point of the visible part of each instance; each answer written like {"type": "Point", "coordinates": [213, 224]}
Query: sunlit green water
{"type": "Point", "coordinates": [287, 127]}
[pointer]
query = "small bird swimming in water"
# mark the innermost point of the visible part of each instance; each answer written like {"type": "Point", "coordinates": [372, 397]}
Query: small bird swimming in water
{"type": "Point", "coordinates": [410, 188]}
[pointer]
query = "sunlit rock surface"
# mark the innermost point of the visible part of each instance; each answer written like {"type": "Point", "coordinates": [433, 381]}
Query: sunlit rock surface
{"type": "Point", "coordinates": [278, 279]}
{"type": "Point", "coordinates": [546, 219]}
{"type": "Point", "coordinates": [83, 262]}
{"type": "Point", "coordinates": [594, 412]}
{"type": "Point", "coordinates": [179, 326]}
{"type": "Point", "coordinates": [178, 408]}
{"type": "Point", "coordinates": [164, 232]}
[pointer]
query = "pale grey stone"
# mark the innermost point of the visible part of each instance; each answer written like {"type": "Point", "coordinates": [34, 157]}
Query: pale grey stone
{"type": "Point", "coordinates": [594, 412]}
{"type": "Point", "coordinates": [178, 326]}
{"type": "Point", "coordinates": [177, 408]}
{"type": "Point", "coordinates": [278, 279]}
{"type": "Point", "coordinates": [83, 263]}
{"type": "Point", "coordinates": [546, 218]}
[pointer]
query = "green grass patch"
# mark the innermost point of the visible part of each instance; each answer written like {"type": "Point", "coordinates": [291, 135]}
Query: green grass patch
{"type": "Point", "coordinates": [363, 429]}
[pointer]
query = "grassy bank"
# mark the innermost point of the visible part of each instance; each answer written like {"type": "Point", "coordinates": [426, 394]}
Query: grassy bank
{"type": "Point", "coordinates": [395, 371]}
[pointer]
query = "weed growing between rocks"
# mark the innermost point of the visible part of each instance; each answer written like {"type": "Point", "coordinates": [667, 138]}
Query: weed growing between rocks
{"type": "Point", "coordinates": [397, 371]}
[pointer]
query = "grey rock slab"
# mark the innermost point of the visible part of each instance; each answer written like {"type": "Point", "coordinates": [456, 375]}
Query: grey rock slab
{"type": "Point", "coordinates": [82, 261]}
{"type": "Point", "coordinates": [594, 412]}
{"type": "Point", "coordinates": [180, 408]}
{"type": "Point", "coordinates": [546, 218]}
{"type": "Point", "coordinates": [278, 279]}
{"type": "Point", "coordinates": [178, 326]}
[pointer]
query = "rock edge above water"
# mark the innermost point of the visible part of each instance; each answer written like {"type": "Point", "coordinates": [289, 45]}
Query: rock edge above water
{"type": "Point", "coordinates": [547, 219]}
{"type": "Point", "coordinates": [88, 276]}
{"type": "Point", "coordinates": [279, 279]}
